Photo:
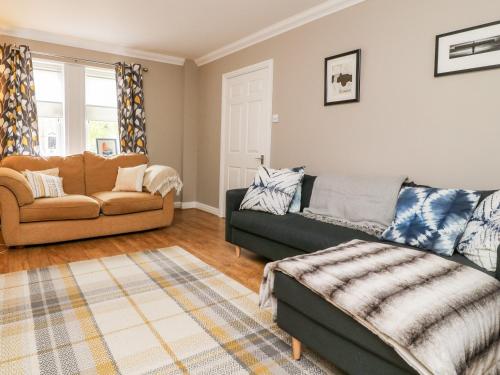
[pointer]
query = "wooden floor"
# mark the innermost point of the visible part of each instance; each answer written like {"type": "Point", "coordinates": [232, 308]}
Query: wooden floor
{"type": "Point", "coordinates": [196, 231]}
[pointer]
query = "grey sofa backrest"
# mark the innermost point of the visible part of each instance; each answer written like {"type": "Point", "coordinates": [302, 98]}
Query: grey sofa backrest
{"type": "Point", "coordinates": [307, 187]}
{"type": "Point", "coordinates": [308, 183]}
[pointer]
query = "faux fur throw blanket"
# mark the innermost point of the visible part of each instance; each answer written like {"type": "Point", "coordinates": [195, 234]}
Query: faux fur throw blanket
{"type": "Point", "coordinates": [161, 179]}
{"type": "Point", "coordinates": [369, 200]}
{"type": "Point", "coordinates": [440, 316]}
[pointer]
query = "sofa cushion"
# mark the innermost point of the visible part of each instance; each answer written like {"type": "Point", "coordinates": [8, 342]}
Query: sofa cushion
{"type": "Point", "coordinates": [295, 230]}
{"type": "Point", "coordinates": [130, 179]}
{"type": "Point", "coordinates": [70, 169]}
{"type": "Point", "coordinates": [101, 172]}
{"type": "Point", "coordinates": [61, 208]}
{"type": "Point", "coordinates": [481, 238]}
{"type": "Point", "coordinates": [121, 202]}
{"type": "Point", "coordinates": [44, 185]}
{"type": "Point", "coordinates": [431, 218]}
{"type": "Point", "coordinates": [272, 190]}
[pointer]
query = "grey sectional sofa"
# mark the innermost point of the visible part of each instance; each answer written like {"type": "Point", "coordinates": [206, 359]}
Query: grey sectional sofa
{"type": "Point", "coordinates": [303, 314]}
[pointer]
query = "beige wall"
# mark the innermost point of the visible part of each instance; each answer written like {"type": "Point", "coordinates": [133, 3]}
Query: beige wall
{"type": "Point", "coordinates": [190, 132]}
{"type": "Point", "coordinates": [442, 131]}
{"type": "Point", "coordinates": [163, 92]}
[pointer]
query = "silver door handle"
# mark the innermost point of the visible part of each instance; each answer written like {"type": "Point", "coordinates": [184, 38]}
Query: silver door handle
{"type": "Point", "coordinates": [261, 158]}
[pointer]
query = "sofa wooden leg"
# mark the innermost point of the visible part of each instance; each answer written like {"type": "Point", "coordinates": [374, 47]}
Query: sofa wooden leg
{"type": "Point", "coordinates": [238, 251]}
{"type": "Point", "coordinates": [296, 349]}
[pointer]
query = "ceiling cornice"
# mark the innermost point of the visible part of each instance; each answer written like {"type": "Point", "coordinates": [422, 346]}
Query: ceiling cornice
{"type": "Point", "coordinates": [91, 45]}
{"type": "Point", "coordinates": [297, 20]}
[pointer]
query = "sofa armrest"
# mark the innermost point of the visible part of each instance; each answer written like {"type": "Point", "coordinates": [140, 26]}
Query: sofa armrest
{"type": "Point", "coordinates": [233, 201]}
{"type": "Point", "coordinates": [168, 206]}
{"type": "Point", "coordinates": [10, 217]}
{"type": "Point", "coordinates": [17, 184]}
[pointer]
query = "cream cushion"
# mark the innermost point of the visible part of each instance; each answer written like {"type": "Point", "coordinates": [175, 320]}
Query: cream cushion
{"type": "Point", "coordinates": [119, 203]}
{"type": "Point", "coordinates": [50, 172]}
{"type": "Point", "coordinates": [101, 172]}
{"type": "Point", "coordinates": [44, 185]}
{"type": "Point", "coordinates": [130, 179]}
{"type": "Point", "coordinates": [63, 208]}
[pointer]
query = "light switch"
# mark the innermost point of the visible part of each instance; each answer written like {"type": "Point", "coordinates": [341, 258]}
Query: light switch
{"type": "Point", "coordinates": [276, 118]}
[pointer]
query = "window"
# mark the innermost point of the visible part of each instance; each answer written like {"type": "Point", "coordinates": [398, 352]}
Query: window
{"type": "Point", "coordinates": [101, 119]}
{"type": "Point", "coordinates": [76, 106]}
{"type": "Point", "coordinates": [49, 86]}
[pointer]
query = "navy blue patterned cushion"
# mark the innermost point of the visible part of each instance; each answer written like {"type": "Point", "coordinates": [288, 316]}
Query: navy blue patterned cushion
{"type": "Point", "coordinates": [430, 218]}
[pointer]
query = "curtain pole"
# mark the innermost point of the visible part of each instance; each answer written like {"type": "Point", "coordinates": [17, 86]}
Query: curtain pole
{"type": "Point", "coordinates": [75, 59]}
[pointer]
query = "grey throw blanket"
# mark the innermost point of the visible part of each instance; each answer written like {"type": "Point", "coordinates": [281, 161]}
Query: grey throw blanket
{"type": "Point", "coordinates": [369, 228]}
{"type": "Point", "coordinates": [356, 199]}
{"type": "Point", "coordinates": [440, 316]}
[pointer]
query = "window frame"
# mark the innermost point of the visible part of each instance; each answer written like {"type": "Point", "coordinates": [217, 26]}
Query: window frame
{"type": "Point", "coordinates": [74, 101]}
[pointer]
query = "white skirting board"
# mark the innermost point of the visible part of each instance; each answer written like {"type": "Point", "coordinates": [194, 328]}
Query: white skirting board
{"type": "Point", "coordinates": [200, 206]}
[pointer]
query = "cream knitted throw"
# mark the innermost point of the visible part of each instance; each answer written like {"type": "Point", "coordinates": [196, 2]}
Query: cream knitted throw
{"type": "Point", "coordinates": [161, 179]}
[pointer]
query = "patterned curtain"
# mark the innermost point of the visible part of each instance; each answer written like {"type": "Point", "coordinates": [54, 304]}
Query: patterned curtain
{"type": "Point", "coordinates": [18, 118]}
{"type": "Point", "coordinates": [131, 116]}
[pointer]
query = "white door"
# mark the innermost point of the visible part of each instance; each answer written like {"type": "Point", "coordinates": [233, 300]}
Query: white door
{"type": "Point", "coordinates": [246, 126]}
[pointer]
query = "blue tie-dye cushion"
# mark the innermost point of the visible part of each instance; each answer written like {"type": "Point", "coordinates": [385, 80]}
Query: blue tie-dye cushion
{"type": "Point", "coordinates": [431, 218]}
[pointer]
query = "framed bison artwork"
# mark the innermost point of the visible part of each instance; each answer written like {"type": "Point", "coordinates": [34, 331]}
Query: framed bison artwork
{"type": "Point", "coordinates": [342, 78]}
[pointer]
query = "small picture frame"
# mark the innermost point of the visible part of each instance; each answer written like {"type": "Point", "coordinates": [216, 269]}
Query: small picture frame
{"type": "Point", "coordinates": [468, 50]}
{"type": "Point", "coordinates": [106, 146]}
{"type": "Point", "coordinates": [342, 78]}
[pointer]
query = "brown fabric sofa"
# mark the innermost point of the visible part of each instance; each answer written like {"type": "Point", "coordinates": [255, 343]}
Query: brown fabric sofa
{"type": "Point", "coordinates": [90, 208]}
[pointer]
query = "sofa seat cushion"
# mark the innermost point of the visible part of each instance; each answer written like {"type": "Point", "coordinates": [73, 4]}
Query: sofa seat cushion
{"type": "Point", "coordinates": [71, 206]}
{"type": "Point", "coordinates": [295, 230]}
{"type": "Point", "coordinates": [121, 202]}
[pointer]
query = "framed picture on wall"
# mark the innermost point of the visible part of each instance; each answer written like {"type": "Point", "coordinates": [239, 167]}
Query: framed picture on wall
{"type": "Point", "coordinates": [342, 78]}
{"type": "Point", "coordinates": [468, 50]}
{"type": "Point", "coordinates": [106, 146]}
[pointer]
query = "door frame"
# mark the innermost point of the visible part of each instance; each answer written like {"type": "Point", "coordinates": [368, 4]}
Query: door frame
{"type": "Point", "coordinates": [269, 66]}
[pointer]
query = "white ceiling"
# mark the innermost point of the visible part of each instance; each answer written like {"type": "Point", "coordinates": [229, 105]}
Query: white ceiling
{"type": "Point", "coordinates": [183, 28]}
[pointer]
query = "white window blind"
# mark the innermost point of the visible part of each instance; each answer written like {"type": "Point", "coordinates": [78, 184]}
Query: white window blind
{"type": "Point", "coordinates": [49, 94]}
{"type": "Point", "coordinates": [76, 106]}
{"type": "Point", "coordinates": [101, 117]}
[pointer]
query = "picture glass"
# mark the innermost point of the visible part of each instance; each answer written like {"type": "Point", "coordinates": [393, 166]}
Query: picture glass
{"type": "Point", "coordinates": [341, 79]}
{"type": "Point", "coordinates": [106, 146]}
{"type": "Point", "coordinates": [472, 49]}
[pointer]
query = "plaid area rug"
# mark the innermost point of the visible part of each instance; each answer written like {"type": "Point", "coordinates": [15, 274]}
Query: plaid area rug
{"type": "Point", "coordinates": [161, 311]}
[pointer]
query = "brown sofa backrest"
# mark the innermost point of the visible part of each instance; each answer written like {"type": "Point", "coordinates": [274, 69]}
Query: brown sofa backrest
{"type": "Point", "coordinates": [70, 169]}
{"type": "Point", "coordinates": [101, 172]}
